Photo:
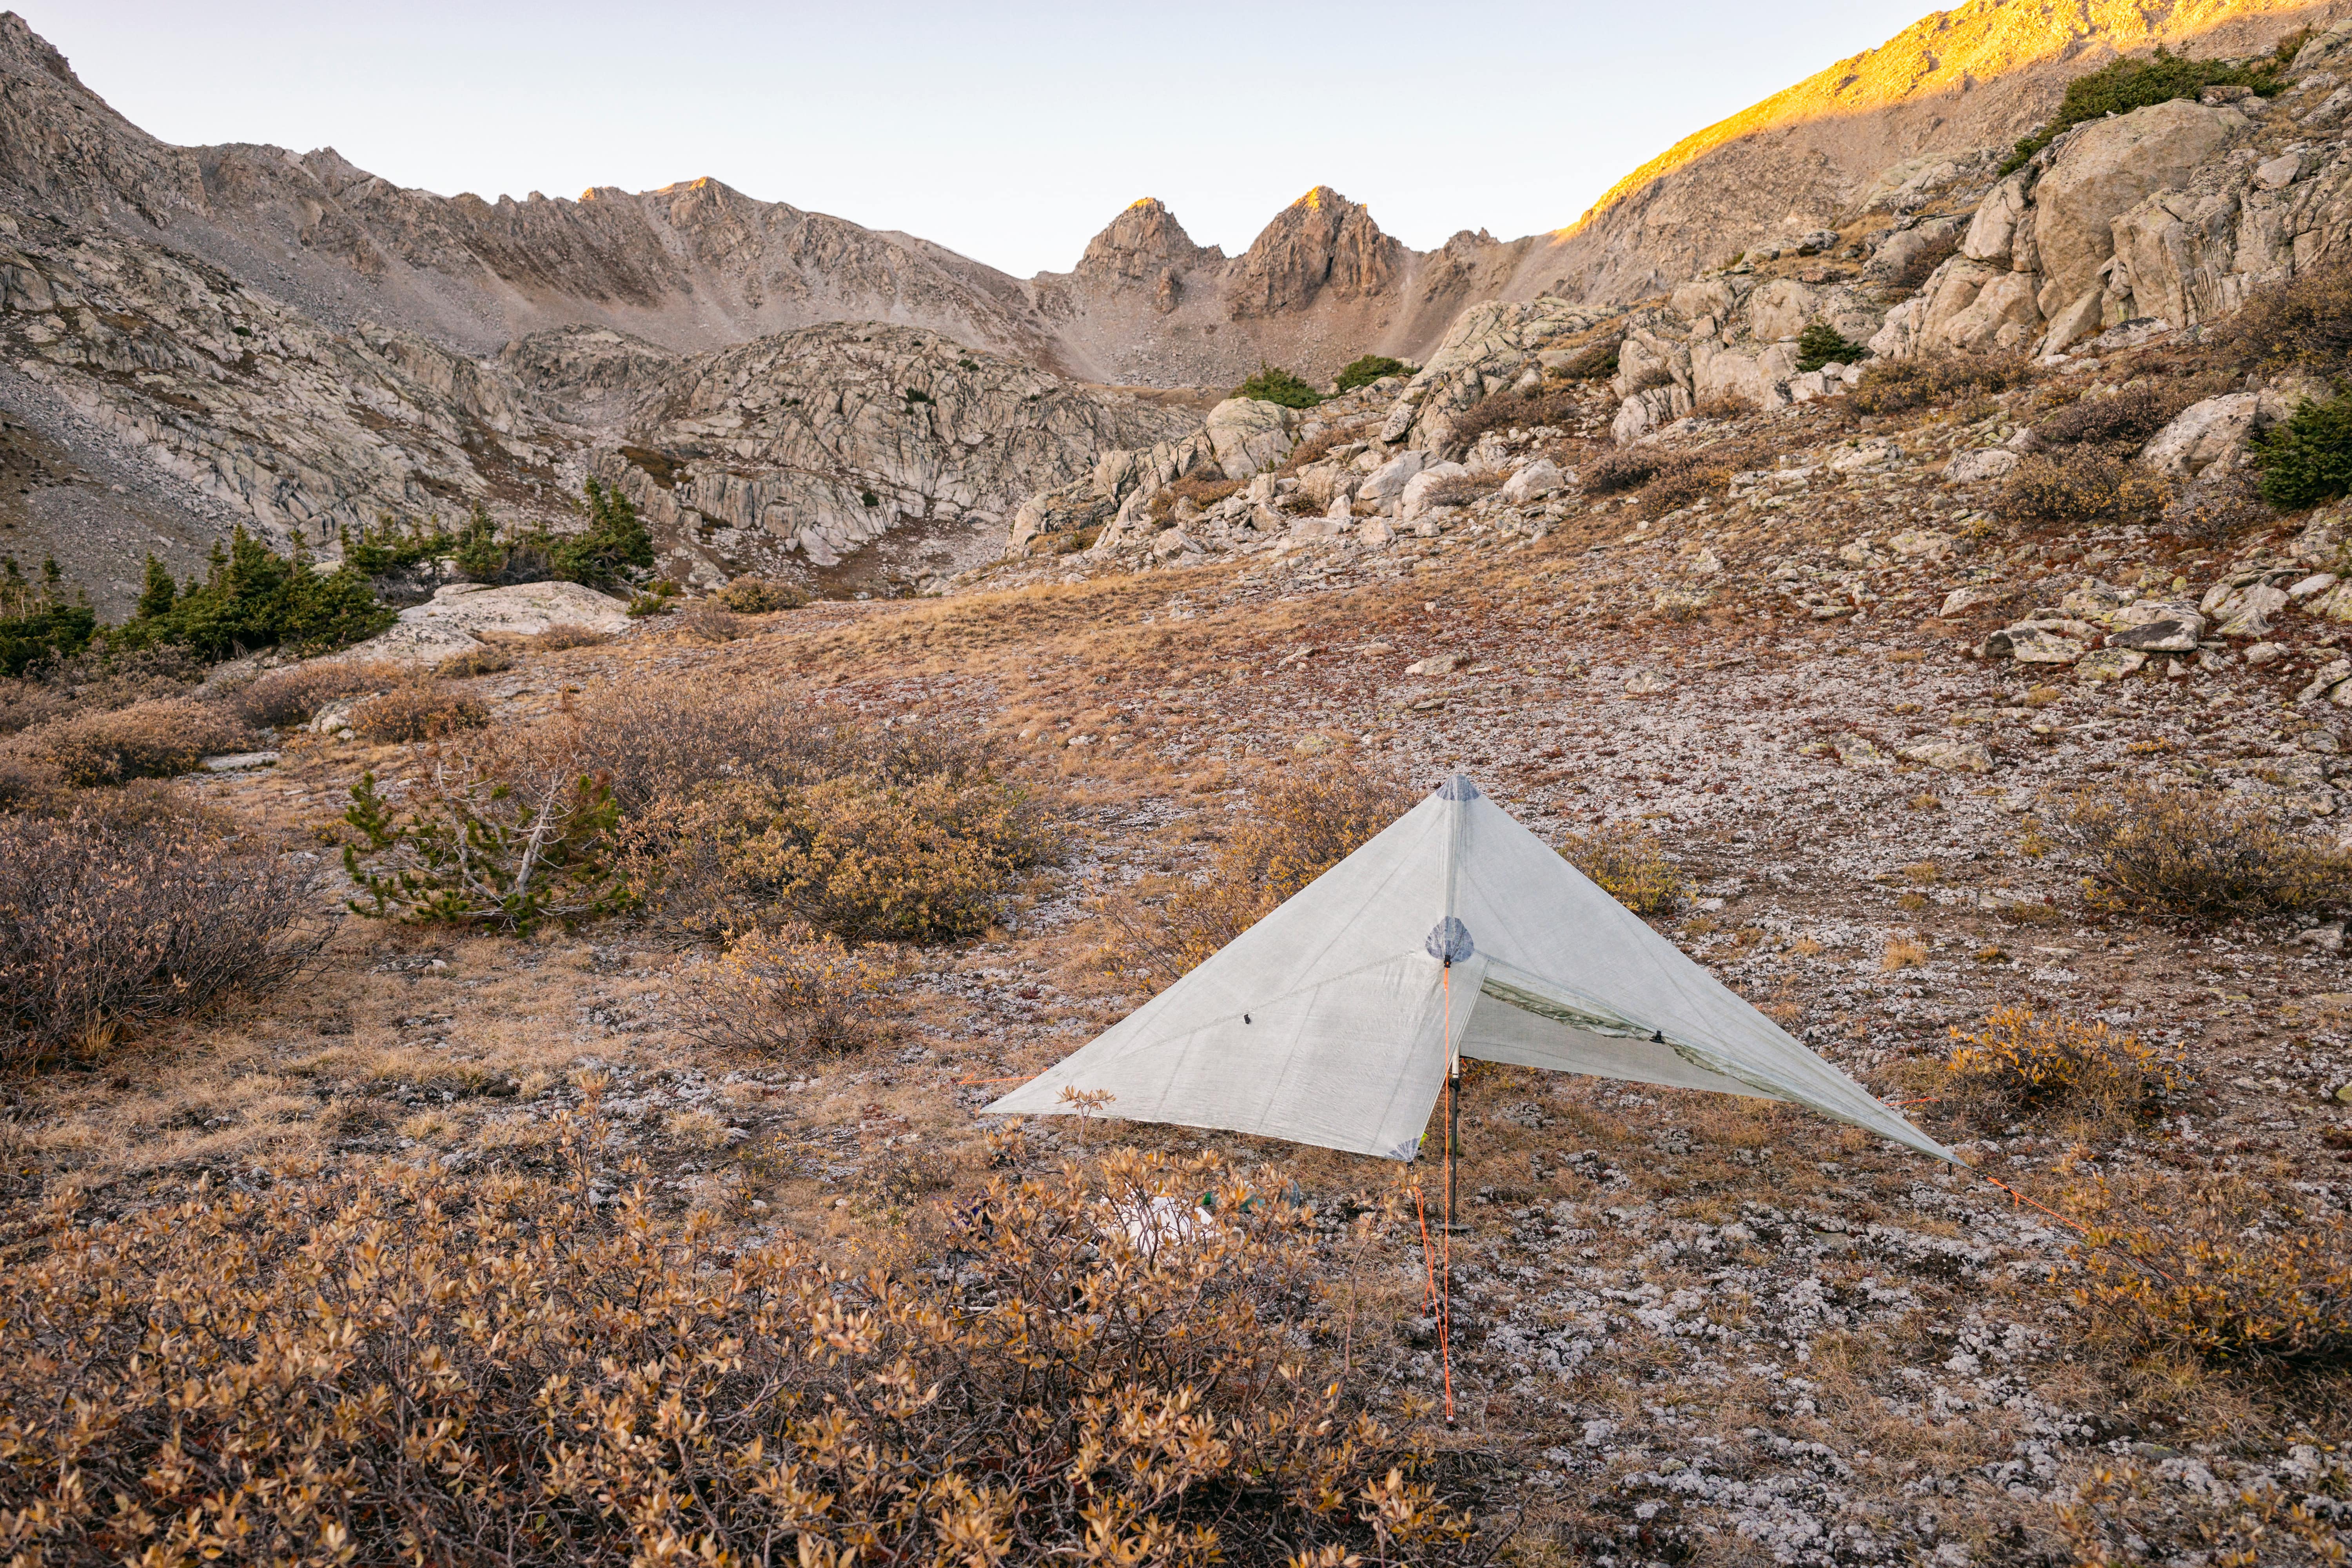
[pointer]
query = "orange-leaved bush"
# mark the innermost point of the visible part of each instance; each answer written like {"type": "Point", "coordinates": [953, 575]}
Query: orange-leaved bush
{"type": "Point", "coordinates": [392, 1365]}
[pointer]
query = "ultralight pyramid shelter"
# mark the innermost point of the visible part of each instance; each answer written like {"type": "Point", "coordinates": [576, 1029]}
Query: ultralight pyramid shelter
{"type": "Point", "coordinates": [1455, 931]}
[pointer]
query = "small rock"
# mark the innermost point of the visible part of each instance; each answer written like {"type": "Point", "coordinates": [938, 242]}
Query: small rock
{"type": "Point", "coordinates": [1539, 477]}
{"type": "Point", "coordinates": [2110, 664]}
{"type": "Point", "coordinates": [2327, 938]}
{"type": "Point", "coordinates": [1438, 664]}
{"type": "Point", "coordinates": [1959, 599]}
{"type": "Point", "coordinates": [240, 761]}
{"type": "Point", "coordinates": [2326, 681]}
{"type": "Point", "coordinates": [2263, 653]}
{"type": "Point", "coordinates": [2030, 642]}
{"type": "Point", "coordinates": [1950, 756]}
{"type": "Point", "coordinates": [1981, 464]}
{"type": "Point", "coordinates": [1648, 683]}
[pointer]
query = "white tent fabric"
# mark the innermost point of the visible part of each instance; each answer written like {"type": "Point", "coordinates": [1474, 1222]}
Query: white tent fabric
{"type": "Point", "coordinates": [1331, 1021]}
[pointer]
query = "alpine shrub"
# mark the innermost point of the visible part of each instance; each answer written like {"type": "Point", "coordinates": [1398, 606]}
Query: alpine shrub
{"type": "Point", "coordinates": [1821, 344]}
{"type": "Point", "coordinates": [146, 740]}
{"type": "Point", "coordinates": [2188, 854]}
{"type": "Point", "coordinates": [35, 622]}
{"type": "Point", "coordinates": [795, 997]}
{"type": "Point", "coordinates": [417, 711]}
{"type": "Point", "coordinates": [1272, 384]}
{"type": "Point", "coordinates": [2308, 458]}
{"type": "Point", "coordinates": [1628, 865]}
{"type": "Point", "coordinates": [2123, 85]}
{"type": "Point", "coordinates": [395, 1365]}
{"type": "Point", "coordinates": [2021, 1064]}
{"type": "Point", "coordinates": [1368, 369]}
{"type": "Point", "coordinates": [107, 925]}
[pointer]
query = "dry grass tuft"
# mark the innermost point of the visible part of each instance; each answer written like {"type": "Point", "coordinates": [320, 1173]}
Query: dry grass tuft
{"type": "Point", "coordinates": [2192, 855]}
{"type": "Point", "coordinates": [1903, 952]}
{"type": "Point", "coordinates": [562, 634]}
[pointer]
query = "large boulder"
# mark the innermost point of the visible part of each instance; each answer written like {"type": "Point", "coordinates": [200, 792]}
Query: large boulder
{"type": "Point", "coordinates": [1537, 479]}
{"type": "Point", "coordinates": [2209, 432]}
{"type": "Point", "coordinates": [452, 622]}
{"type": "Point", "coordinates": [1249, 435]}
{"type": "Point", "coordinates": [1414, 500]}
{"type": "Point", "coordinates": [1646, 360]}
{"type": "Point", "coordinates": [1647, 411]}
{"type": "Point", "coordinates": [2104, 169]}
{"type": "Point", "coordinates": [1779, 311]}
{"type": "Point", "coordinates": [1762, 378]}
{"type": "Point", "coordinates": [1993, 231]}
{"type": "Point", "coordinates": [1385, 484]}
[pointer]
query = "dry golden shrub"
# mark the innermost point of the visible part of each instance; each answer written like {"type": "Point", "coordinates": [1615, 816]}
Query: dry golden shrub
{"type": "Point", "coordinates": [1298, 825]}
{"type": "Point", "coordinates": [2126, 418]}
{"type": "Point", "coordinates": [2124, 1513]}
{"type": "Point", "coordinates": [1892, 385]}
{"type": "Point", "coordinates": [1903, 952]}
{"type": "Point", "coordinates": [388, 1365]}
{"type": "Point", "coordinates": [146, 740]}
{"type": "Point", "coordinates": [749, 805]}
{"type": "Point", "coordinates": [109, 920]}
{"type": "Point", "coordinates": [791, 996]}
{"type": "Point", "coordinates": [28, 784]}
{"type": "Point", "coordinates": [709, 622]}
{"type": "Point", "coordinates": [417, 711]}
{"type": "Point", "coordinates": [1461, 489]}
{"type": "Point", "coordinates": [871, 860]}
{"type": "Point", "coordinates": [2219, 1267]}
{"type": "Point", "coordinates": [95, 681]}
{"type": "Point", "coordinates": [2190, 853]}
{"type": "Point", "coordinates": [761, 596]}
{"type": "Point", "coordinates": [1627, 864]}
{"type": "Point", "coordinates": [2080, 483]}
{"type": "Point", "coordinates": [1201, 492]}
{"type": "Point", "coordinates": [287, 697]}
{"type": "Point", "coordinates": [2021, 1064]}
{"type": "Point", "coordinates": [483, 660]}
{"type": "Point", "coordinates": [562, 634]}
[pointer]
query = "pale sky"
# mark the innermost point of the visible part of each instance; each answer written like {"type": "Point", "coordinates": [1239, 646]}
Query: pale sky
{"type": "Point", "coordinates": [1010, 133]}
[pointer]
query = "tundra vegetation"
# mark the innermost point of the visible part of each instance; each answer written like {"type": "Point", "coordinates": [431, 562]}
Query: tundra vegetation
{"type": "Point", "coordinates": [539, 1117]}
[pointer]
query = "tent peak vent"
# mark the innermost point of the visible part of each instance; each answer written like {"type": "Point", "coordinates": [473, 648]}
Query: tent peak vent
{"type": "Point", "coordinates": [1449, 942]}
{"type": "Point", "coordinates": [1458, 788]}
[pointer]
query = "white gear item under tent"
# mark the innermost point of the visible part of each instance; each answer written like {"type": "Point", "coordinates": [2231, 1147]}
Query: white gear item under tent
{"type": "Point", "coordinates": [1338, 1018]}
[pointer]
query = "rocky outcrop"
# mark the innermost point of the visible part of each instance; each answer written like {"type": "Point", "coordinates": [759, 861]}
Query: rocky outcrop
{"type": "Point", "coordinates": [823, 440]}
{"type": "Point", "coordinates": [2170, 215]}
{"type": "Point", "coordinates": [1881, 132]}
